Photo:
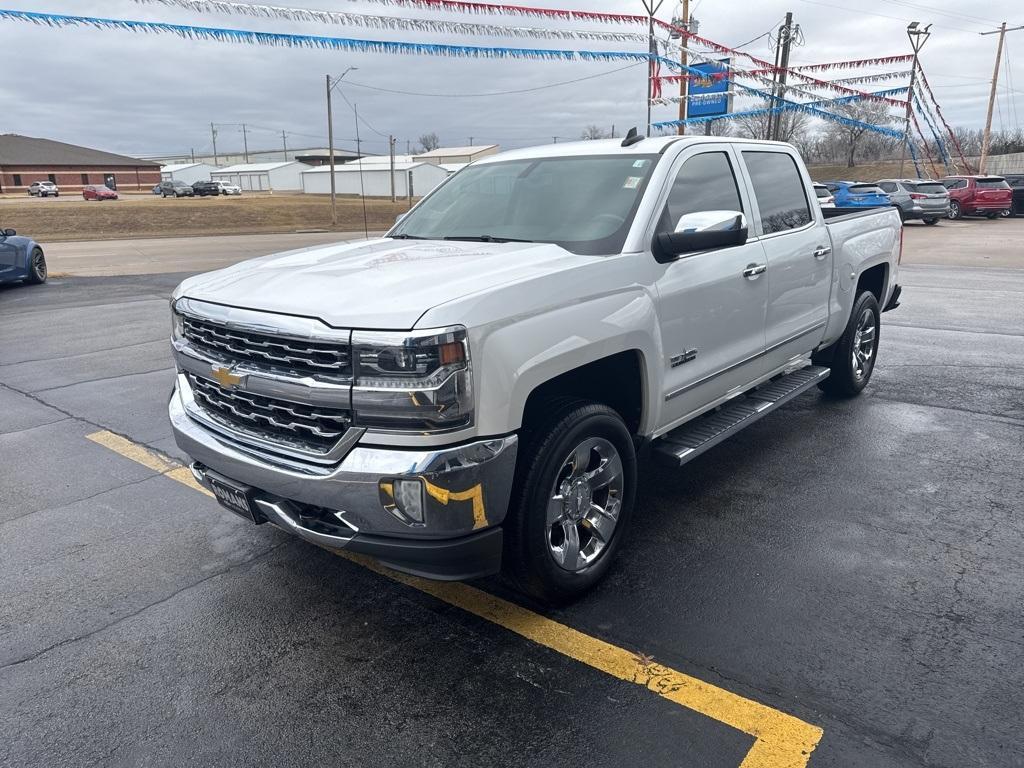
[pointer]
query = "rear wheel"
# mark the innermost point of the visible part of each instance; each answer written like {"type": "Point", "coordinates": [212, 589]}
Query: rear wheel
{"type": "Point", "coordinates": [992, 215]}
{"type": "Point", "coordinates": [1006, 213]}
{"type": "Point", "coordinates": [36, 267]}
{"type": "Point", "coordinates": [852, 358]}
{"type": "Point", "coordinates": [573, 495]}
{"type": "Point", "coordinates": [931, 222]}
{"type": "Point", "coordinates": [954, 210]}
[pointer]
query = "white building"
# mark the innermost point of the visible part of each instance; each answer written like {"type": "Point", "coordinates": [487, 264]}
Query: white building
{"type": "Point", "coordinates": [189, 173]}
{"type": "Point", "coordinates": [263, 176]}
{"type": "Point", "coordinates": [412, 179]}
{"type": "Point", "coordinates": [457, 155]}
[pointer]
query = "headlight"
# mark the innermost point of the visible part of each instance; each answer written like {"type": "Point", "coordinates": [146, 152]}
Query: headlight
{"type": "Point", "coordinates": [419, 382]}
{"type": "Point", "coordinates": [177, 323]}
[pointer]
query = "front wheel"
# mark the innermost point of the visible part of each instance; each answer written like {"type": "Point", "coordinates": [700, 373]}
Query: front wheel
{"type": "Point", "coordinates": [931, 222]}
{"type": "Point", "coordinates": [954, 210]}
{"type": "Point", "coordinates": [36, 267]}
{"type": "Point", "coordinates": [572, 499]}
{"type": "Point", "coordinates": [852, 358]}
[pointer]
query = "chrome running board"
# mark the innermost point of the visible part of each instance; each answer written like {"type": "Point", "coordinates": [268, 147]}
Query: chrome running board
{"type": "Point", "coordinates": [689, 441]}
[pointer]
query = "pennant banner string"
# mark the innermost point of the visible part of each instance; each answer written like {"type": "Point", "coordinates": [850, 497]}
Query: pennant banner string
{"type": "Point", "coordinates": [403, 23]}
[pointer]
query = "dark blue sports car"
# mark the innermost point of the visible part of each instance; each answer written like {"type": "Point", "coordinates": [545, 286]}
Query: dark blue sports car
{"type": "Point", "coordinates": [21, 258]}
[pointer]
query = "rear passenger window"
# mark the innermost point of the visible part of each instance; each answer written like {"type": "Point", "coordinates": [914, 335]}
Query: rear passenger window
{"type": "Point", "coordinates": [779, 189]}
{"type": "Point", "coordinates": [705, 182]}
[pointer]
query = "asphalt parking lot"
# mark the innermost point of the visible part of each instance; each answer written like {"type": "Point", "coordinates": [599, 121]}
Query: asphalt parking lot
{"type": "Point", "coordinates": [843, 577]}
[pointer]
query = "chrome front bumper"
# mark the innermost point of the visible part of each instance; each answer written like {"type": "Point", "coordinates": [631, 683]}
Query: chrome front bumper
{"type": "Point", "coordinates": [467, 492]}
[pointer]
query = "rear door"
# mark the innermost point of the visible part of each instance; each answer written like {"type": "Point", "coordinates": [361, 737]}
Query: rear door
{"type": "Point", "coordinates": [797, 249]}
{"type": "Point", "coordinates": [711, 315]}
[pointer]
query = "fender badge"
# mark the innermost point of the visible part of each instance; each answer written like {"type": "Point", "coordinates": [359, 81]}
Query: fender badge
{"type": "Point", "coordinates": [226, 378]}
{"type": "Point", "coordinates": [687, 356]}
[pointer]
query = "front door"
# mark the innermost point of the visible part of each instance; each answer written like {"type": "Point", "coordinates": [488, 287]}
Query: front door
{"type": "Point", "coordinates": [711, 314]}
{"type": "Point", "coordinates": [798, 251]}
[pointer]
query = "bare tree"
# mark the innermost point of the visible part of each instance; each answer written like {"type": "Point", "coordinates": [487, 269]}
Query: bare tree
{"type": "Point", "coordinates": [793, 125]}
{"type": "Point", "coordinates": [429, 142]}
{"type": "Point", "coordinates": [594, 132]}
{"type": "Point", "coordinates": [852, 136]}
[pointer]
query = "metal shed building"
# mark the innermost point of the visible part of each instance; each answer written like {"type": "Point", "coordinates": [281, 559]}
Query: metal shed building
{"type": "Point", "coordinates": [411, 179]}
{"type": "Point", "coordinates": [255, 177]}
{"type": "Point", "coordinates": [189, 173]}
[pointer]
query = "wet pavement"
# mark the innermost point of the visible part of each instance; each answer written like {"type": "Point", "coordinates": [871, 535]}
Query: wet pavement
{"type": "Point", "coordinates": [855, 564]}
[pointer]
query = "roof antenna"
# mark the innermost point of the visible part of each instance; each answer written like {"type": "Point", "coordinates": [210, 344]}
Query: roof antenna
{"type": "Point", "coordinates": [632, 137]}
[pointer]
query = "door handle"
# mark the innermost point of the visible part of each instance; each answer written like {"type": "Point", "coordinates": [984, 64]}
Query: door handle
{"type": "Point", "coordinates": [753, 270]}
{"type": "Point", "coordinates": [821, 252]}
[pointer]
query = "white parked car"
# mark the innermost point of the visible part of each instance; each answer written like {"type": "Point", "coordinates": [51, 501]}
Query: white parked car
{"type": "Point", "coordinates": [474, 391]}
{"type": "Point", "coordinates": [825, 197]}
{"type": "Point", "coordinates": [228, 189]}
{"type": "Point", "coordinates": [43, 189]}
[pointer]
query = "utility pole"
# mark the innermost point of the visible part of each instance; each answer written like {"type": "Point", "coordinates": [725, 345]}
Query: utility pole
{"type": "Point", "coordinates": [684, 81]}
{"type": "Point", "coordinates": [193, 151]}
{"type": "Point", "coordinates": [918, 37]}
{"type": "Point", "coordinates": [471, 141]}
{"type": "Point", "coordinates": [284, 141]}
{"type": "Point", "coordinates": [330, 142]}
{"type": "Point", "coordinates": [987, 137]}
{"type": "Point", "coordinates": [359, 151]}
{"type": "Point", "coordinates": [245, 141]}
{"type": "Point", "coordinates": [408, 147]}
{"type": "Point", "coordinates": [213, 135]}
{"type": "Point", "coordinates": [391, 149]}
{"type": "Point", "coordinates": [785, 42]}
{"type": "Point", "coordinates": [652, 52]}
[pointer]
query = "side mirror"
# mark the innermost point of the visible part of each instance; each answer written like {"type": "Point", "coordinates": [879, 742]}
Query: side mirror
{"type": "Point", "coordinates": [9, 233]}
{"type": "Point", "coordinates": [701, 231]}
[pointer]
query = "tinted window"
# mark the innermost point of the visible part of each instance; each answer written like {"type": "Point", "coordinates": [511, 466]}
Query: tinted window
{"type": "Point", "coordinates": [705, 182]}
{"type": "Point", "coordinates": [993, 184]}
{"type": "Point", "coordinates": [822, 192]}
{"type": "Point", "coordinates": [955, 184]}
{"type": "Point", "coordinates": [929, 189]}
{"type": "Point", "coordinates": [888, 186]}
{"type": "Point", "coordinates": [779, 189]}
{"type": "Point", "coordinates": [865, 189]}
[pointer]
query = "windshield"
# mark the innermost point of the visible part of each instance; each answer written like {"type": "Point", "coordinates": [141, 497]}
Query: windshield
{"type": "Point", "coordinates": [993, 184]}
{"type": "Point", "coordinates": [584, 204]}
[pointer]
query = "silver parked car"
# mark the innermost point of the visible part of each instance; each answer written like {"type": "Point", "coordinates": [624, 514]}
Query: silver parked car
{"type": "Point", "coordinates": [43, 189]}
{"type": "Point", "coordinates": [918, 198]}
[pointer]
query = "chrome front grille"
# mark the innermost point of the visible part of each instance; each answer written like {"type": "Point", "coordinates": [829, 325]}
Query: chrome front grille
{"type": "Point", "coordinates": [309, 428]}
{"type": "Point", "coordinates": [322, 360]}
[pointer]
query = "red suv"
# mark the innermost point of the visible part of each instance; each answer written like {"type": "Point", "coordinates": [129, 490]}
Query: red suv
{"type": "Point", "coordinates": [978, 196]}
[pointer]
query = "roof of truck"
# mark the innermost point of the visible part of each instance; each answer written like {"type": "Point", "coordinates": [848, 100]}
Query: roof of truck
{"type": "Point", "coordinates": [648, 146]}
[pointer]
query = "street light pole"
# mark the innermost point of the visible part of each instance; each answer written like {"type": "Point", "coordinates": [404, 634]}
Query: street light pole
{"type": "Point", "coordinates": [330, 141]}
{"type": "Point", "coordinates": [918, 37]}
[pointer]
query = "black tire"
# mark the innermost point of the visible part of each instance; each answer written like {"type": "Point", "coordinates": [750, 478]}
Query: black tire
{"type": "Point", "coordinates": [992, 215]}
{"type": "Point", "coordinates": [955, 211]}
{"type": "Point", "coordinates": [846, 380]}
{"type": "Point", "coordinates": [931, 222]}
{"type": "Point", "coordinates": [37, 271]}
{"type": "Point", "coordinates": [1006, 213]}
{"type": "Point", "coordinates": [163, 195]}
{"type": "Point", "coordinates": [528, 562]}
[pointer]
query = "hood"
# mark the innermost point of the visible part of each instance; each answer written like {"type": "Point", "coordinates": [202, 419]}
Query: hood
{"type": "Point", "coordinates": [381, 284]}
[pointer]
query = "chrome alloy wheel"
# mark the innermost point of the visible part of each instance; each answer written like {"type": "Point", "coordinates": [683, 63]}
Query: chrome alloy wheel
{"type": "Point", "coordinates": [39, 266]}
{"type": "Point", "coordinates": [864, 344]}
{"type": "Point", "coordinates": [584, 506]}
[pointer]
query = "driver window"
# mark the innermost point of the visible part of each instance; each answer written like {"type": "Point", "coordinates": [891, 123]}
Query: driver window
{"type": "Point", "coordinates": [705, 182]}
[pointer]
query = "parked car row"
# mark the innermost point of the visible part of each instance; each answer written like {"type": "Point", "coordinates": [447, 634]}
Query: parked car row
{"type": "Point", "coordinates": [178, 188]}
{"type": "Point", "coordinates": [930, 200]}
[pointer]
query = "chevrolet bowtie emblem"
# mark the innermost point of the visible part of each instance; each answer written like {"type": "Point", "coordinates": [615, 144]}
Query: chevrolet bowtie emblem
{"type": "Point", "coordinates": [226, 378]}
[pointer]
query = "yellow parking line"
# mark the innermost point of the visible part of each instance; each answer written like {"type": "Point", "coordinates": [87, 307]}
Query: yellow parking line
{"type": "Point", "coordinates": [780, 740]}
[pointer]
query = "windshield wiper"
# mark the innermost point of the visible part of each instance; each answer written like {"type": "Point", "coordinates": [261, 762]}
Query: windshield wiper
{"type": "Point", "coordinates": [487, 239]}
{"type": "Point", "coordinates": [404, 236]}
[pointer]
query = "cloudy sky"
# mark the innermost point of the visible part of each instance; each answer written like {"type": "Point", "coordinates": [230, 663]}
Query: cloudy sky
{"type": "Point", "coordinates": [158, 94]}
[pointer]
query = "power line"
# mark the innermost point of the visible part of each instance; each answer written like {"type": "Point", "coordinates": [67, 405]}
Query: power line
{"type": "Point", "coordinates": [765, 34]}
{"type": "Point", "coordinates": [493, 93]}
{"type": "Point", "coordinates": [932, 10]}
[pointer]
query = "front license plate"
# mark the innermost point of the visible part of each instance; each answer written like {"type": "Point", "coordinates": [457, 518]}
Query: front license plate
{"type": "Point", "coordinates": [234, 497]}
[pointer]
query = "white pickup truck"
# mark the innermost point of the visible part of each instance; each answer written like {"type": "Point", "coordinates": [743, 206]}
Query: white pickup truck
{"type": "Point", "coordinates": [474, 391]}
